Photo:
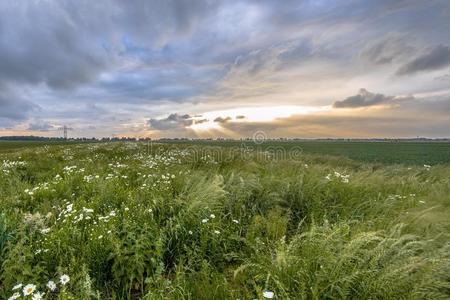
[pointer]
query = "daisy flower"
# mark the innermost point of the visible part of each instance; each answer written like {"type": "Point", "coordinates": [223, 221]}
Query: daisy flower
{"type": "Point", "coordinates": [64, 279]}
{"type": "Point", "coordinates": [29, 289]}
{"type": "Point", "coordinates": [268, 294]}
{"type": "Point", "coordinates": [15, 296]}
{"type": "Point", "coordinates": [17, 286]}
{"type": "Point", "coordinates": [51, 285]}
{"type": "Point", "coordinates": [37, 296]}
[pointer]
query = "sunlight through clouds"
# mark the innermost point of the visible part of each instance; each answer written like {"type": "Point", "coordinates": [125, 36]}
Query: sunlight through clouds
{"type": "Point", "coordinates": [266, 60]}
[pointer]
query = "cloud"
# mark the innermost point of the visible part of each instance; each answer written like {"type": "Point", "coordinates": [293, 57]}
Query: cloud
{"type": "Point", "coordinates": [437, 58]}
{"type": "Point", "coordinates": [415, 117]}
{"type": "Point", "coordinates": [13, 106]}
{"type": "Point", "coordinates": [160, 20]}
{"type": "Point", "coordinates": [174, 83]}
{"type": "Point", "coordinates": [423, 115]}
{"type": "Point", "coordinates": [387, 50]}
{"type": "Point", "coordinates": [40, 126]}
{"type": "Point", "coordinates": [149, 57]}
{"type": "Point", "coordinates": [263, 62]}
{"type": "Point", "coordinates": [173, 121]}
{"type": "Point", "coordinates": [364, 99]}
{"type": "Point", "coordinates": [200, 121]}
{"type": "Point", "coordinates": [445, 77]}
{"type": "Point", "coordinates": [47, 46]}
{"type": "Point", "coordinates": [14, 109]}
{"type": "Point", "coordinates": [64, 45]}
{"type": "Point", "coordinates": [222, 120]}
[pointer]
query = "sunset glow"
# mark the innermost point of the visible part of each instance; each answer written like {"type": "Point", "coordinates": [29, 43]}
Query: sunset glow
{"type": "Point", "coordinates": [253, 114]}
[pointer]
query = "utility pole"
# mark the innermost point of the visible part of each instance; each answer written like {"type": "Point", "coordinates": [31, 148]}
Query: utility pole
{"type": "Point", "coordinates": [64, 129]}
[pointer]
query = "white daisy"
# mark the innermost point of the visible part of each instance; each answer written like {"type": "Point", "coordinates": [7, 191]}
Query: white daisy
{"type": "Point", "coordinates": [29, 289]}
{"type": "Point", "coordinates": [37, 296]}
{"type": "Point", "coordinates": [205, 221]}
{"type": "Point", "coordinates": [51, 285]}
{"type": "Point", "coordinates": [268, 294]}
{"type": "Point", "coordinates": [15, 296]}
{"type": "Point", "coordinates": [216, 231]}
{"type": "Point", "coordinates": [17, 286]}
{"type": "Point", "coordinates": [64, 279]}
{"type": "Point", "coordinates": [212, 216]}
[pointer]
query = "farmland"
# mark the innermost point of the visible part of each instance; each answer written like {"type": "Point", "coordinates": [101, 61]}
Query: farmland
{"type": "Point", "coordinates": [215, 220]}
{"type": "Point", "coordinates": [6, 146]}
{"type": "Point", "coordinates": [385, 152]}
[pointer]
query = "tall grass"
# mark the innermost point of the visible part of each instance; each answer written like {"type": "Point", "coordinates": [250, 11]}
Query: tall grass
{"type": "Point", "coordinates": [126, 222]}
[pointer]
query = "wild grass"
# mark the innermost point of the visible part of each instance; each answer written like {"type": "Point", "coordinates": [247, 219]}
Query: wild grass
{"type": "Point", "coordinates": [127, 222]}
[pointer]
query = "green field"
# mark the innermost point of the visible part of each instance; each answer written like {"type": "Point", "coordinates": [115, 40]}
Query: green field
{"type": "Point", "coordinates": [14, 145]}
{"type": "Point", "coordinates": [386, 152]}
{"type": "Point", "coordinates": [182, 221]}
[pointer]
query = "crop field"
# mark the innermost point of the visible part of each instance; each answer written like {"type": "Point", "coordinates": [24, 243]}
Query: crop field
{"type": "Point", "coordinates": [216, 221]}
{"type": "Point", "coordinates": [385, 152]}
{"type": "Point", "coordinates": [14, 145]}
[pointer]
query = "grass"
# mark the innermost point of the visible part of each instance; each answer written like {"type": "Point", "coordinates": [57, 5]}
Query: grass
{"type": "Point", "coordinates": [384, 152]}
{"type": "Point", "coordinates": [127, 221]}
{"type": "Point", "coordinates": [8, 146]}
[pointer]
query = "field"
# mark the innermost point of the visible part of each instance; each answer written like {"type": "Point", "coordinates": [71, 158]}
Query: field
{"type": "Point", "coordinates": [220, 221]}
{"type": "Point", "coordinates": [15, 145]}
{"type": "Point", "coordinates": [385, 152]}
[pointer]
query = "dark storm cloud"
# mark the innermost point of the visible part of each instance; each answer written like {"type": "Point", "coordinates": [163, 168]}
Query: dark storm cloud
{"type": "Point", "coordinates": [436, 58]}
{"type": "Point", "coordinates": [364, 99]}
{"type": "Point", "coordinates": [65, 44]}
{"type": "Point", "coordinates": [46, 46]}
{"type": "Point", "coordinates": [173, 121]}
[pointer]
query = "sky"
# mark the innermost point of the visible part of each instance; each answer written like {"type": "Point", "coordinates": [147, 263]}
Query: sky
{"type": "Point", "coordinates": [212, 68]}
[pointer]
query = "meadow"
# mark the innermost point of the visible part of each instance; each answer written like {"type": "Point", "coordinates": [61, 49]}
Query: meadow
{"type": "Point", "coordinates": [207, 221]}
